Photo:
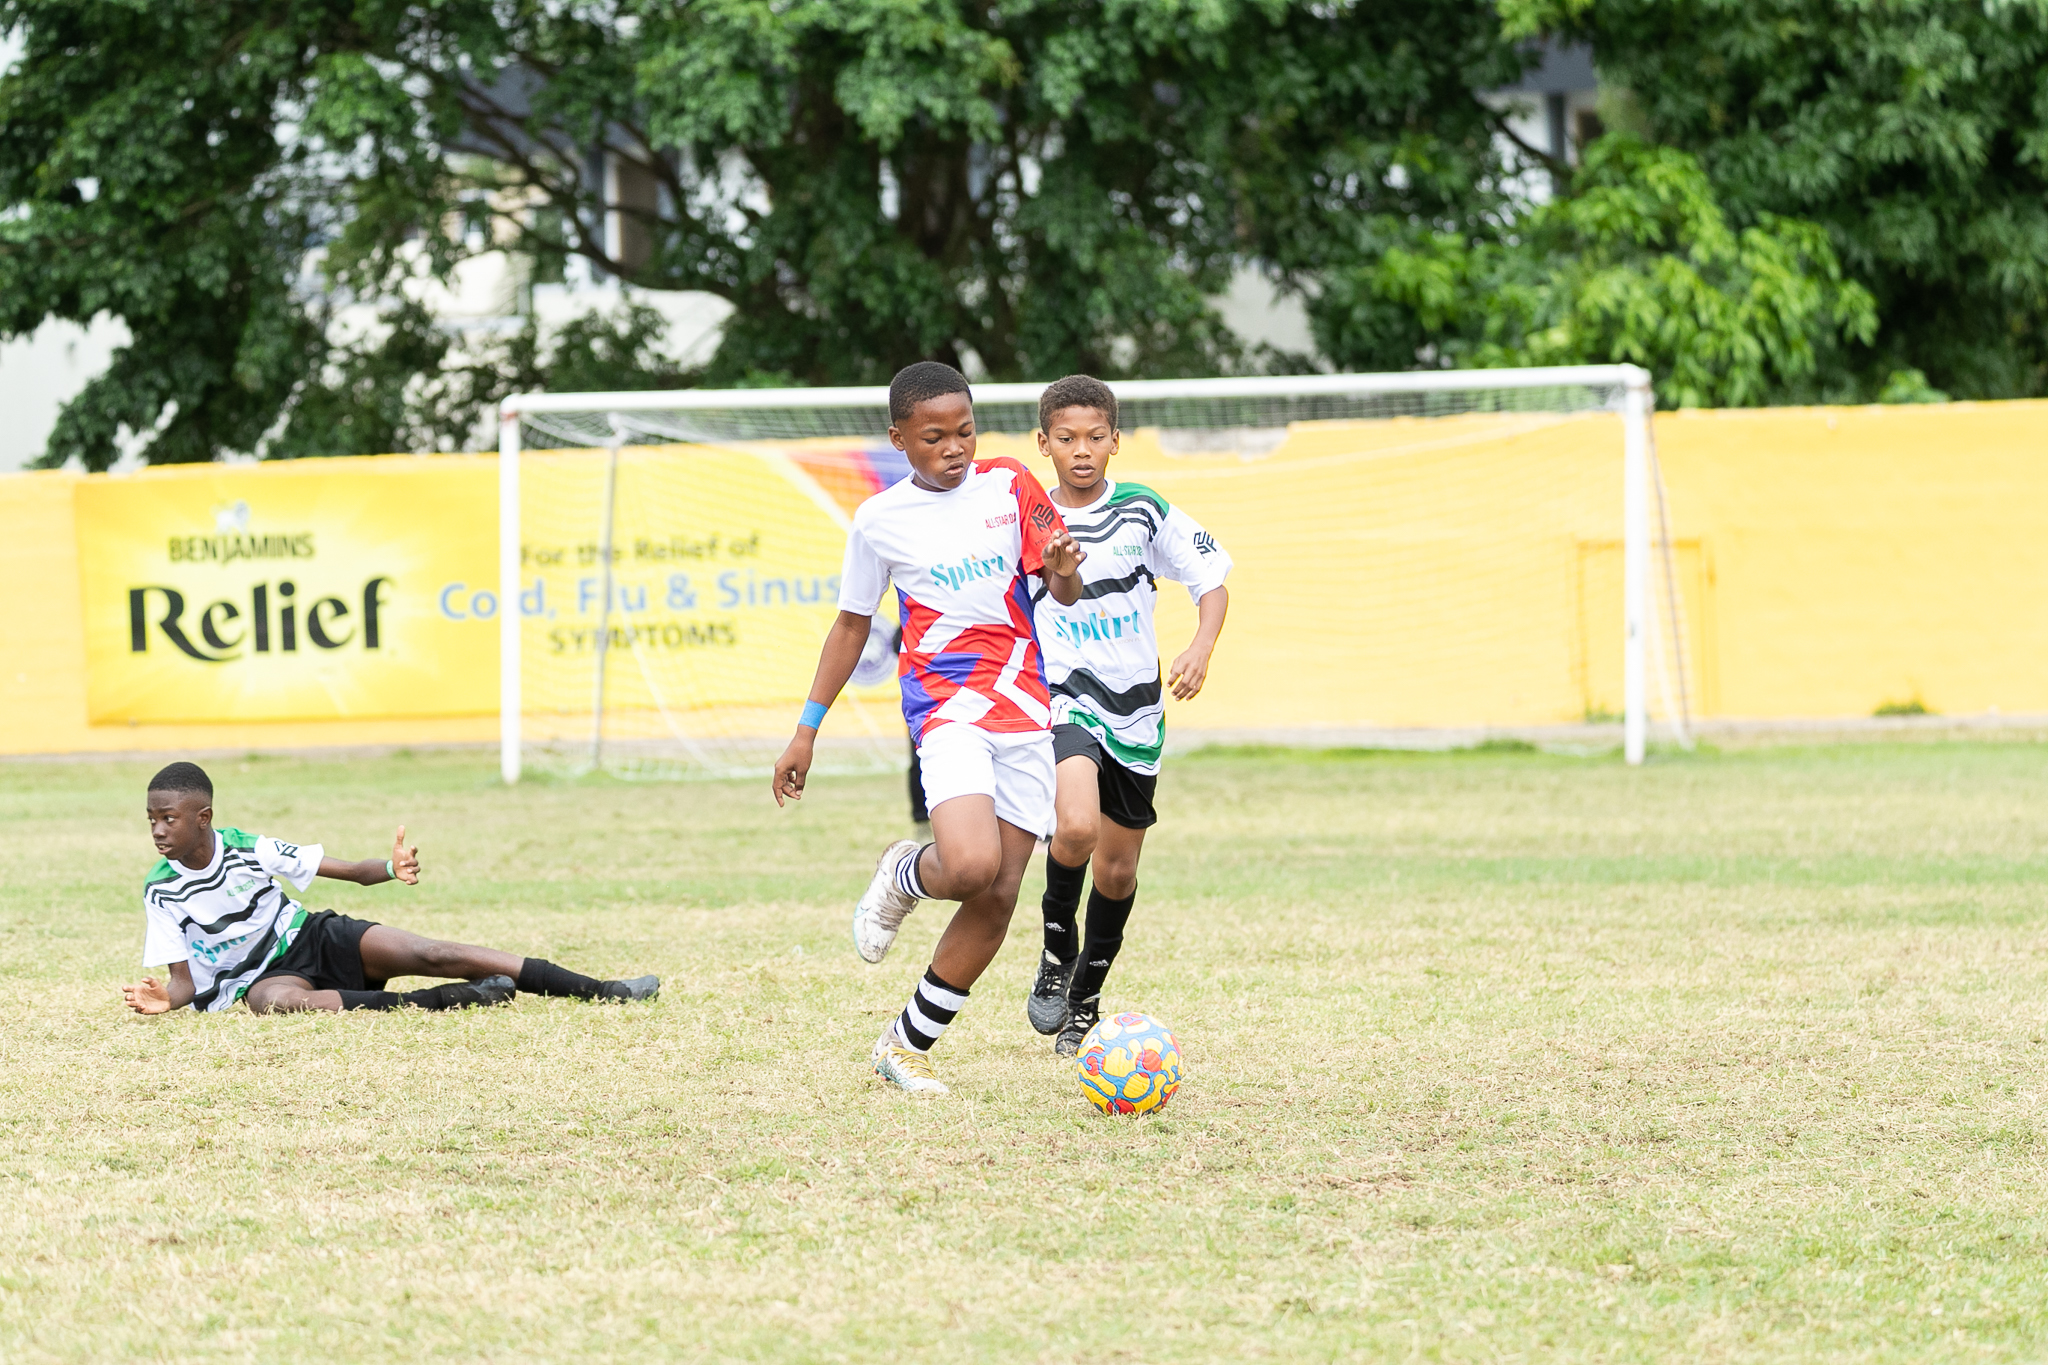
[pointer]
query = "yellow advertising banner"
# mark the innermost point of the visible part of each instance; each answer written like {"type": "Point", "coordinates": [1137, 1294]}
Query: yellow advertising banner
{"type": "Point", "coordinates": [724, 578]}
{"type": "Point", "coordinates": [336, 589]}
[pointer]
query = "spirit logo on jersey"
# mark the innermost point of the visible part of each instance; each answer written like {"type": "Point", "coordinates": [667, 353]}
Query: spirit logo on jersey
{"type": "Point", "coordinates": [967, 570]}
{"type": "Point", "coordinates": [1095, 626]}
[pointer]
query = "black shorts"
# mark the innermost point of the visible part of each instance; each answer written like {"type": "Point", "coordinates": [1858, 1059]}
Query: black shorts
{"type": "Point", "coordinates": [328, 953]}
{"type": "Point", "coordinates": [1126, 796]}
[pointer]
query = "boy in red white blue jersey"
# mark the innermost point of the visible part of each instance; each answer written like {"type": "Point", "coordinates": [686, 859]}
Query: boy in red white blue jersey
{"type": "Point", "coordinates": [961, 560]}
{"type": "Point", "coordinates": [960, 539]}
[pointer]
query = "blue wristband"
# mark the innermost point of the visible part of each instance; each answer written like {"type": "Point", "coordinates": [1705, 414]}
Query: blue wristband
{"type": "Point", "coordinates": [813, 716]}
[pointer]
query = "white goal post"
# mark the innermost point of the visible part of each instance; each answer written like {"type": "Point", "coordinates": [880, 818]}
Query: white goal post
{"type": "Point", "coordinates": [1249, 415]}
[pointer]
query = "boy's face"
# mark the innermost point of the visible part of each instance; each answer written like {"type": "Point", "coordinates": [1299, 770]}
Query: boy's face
{"type": "Point", "coordinates": [939, 439]}
{"type": "Point", "coordinates": [181, 827]}
{"type": "Point", "coordinates": [1080, 442]}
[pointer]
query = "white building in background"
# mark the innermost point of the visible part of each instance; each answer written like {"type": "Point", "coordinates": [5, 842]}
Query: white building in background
{"type": "Point", "coordinates": [43, 371]}
{"type": "Point", "coordinates": [1552, 109]}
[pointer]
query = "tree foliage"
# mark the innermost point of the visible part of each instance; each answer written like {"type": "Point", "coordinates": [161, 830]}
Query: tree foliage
{"type": "Point", "coordinates": [1915, 132]}
{"type": "Point", "coordinates": [1638, 263]}
{"type": "Point", "coordinates": [1810, 199]}
{"type": "Point", "coordinates": [1030, 186]}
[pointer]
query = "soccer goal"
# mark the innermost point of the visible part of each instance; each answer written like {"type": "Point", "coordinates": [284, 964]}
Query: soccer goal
{"type": "Point", "coordinates": [1448, 552]}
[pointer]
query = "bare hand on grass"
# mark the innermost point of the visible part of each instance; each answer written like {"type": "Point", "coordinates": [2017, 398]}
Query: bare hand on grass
{"type": "Point", "coordinates": [149, 997]}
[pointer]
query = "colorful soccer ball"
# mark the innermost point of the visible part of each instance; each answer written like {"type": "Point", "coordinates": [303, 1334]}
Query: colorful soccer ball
{"type": "Point", "coordinates": [1129, 1064]}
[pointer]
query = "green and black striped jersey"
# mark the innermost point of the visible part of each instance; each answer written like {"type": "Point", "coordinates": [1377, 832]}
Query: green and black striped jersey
{"type": "Point", "coordinates": [1101, 655]}
{"type": "Point", "coordinates": [229, 919]}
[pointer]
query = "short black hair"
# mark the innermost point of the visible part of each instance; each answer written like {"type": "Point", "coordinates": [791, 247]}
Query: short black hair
{"type": "Point", "coordinates": [1075, 391]}
{"type": "Point", "coordinates": [920, 383]}
{"type": "Point", "coordinates": [183, 777]}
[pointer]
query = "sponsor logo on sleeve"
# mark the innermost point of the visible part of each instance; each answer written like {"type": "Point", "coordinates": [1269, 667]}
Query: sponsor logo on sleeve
{"type": "Point", "coordinates": [1205, 543]}
{"type": "Point", "coordinates": [1042, 516]}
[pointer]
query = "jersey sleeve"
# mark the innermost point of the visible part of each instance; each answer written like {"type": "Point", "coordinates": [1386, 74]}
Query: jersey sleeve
{"type": "Point", "coordinates": [1038, 521]}
{"type": "Point", "coordinates": [863, 577]}
{"type": "Point", "coordinates": [294, 863]}
{"type": "Point", "coordinates": [162, 941]}
{"type": "Point", "coordinates": [1188, 555]}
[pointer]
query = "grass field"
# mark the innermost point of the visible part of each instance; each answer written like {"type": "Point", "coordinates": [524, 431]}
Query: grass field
{"type": "Point", "coordinates": [1493, 1056]}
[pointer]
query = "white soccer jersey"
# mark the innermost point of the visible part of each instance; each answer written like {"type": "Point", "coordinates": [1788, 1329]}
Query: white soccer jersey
{"type": "Point", "coordinates": [228, 919]}
{"type": "Point", "coordinates": [1101, 654]}
{"type": "Point", "coordinates": [960, 559]}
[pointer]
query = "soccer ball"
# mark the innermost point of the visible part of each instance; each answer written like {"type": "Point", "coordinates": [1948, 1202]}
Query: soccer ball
{"type": "Point", "coordinates": [1129, 1064]}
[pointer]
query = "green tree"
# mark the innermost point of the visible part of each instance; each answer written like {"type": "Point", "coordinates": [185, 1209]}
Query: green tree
{"type": "Point", "coordinates": [1915, 132]}
{"type": "Point", "coordinates": [1034, 185]}
{"type": "Point", "coordinates": [1638, 263]}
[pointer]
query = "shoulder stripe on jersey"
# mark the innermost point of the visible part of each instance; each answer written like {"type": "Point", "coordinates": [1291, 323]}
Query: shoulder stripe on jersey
{"type": "Point", "coordinates": [1082, 683]}
{"type": "Point", "coordinates": [160, 873]}
{"type": "Point", "coordinates": [233, 861]}
{"type": "Point", "coordinates": [1128, 492]}
{"type": "Point", "coordinates": [1109, 526]}
{"type": "Point", "coordinates": [235, 838]}
{"type": "Point", "coordinates": [219, 877]}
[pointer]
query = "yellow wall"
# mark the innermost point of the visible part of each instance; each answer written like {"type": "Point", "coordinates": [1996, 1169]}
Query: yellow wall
{"type": "Point", "coordinates": [1864, 555]}
{"type": "Point", "coordinates": [1456, 571]}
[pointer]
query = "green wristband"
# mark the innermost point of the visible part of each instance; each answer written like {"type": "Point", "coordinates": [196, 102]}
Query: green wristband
{"type": "Point", "coordinates": [389, 870]}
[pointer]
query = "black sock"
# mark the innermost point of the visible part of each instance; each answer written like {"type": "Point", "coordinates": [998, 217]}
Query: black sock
{"type": "Point", "coordinates": [1106, 920]}
{"type": "Point", "coordinates": [446, 996]}
{"type": "Point", "coordinates": [369, 1000]}
{"type": "Point", "coordinates": [1061, 907]}
{"type": "Point", "coordinates": [538, 976]}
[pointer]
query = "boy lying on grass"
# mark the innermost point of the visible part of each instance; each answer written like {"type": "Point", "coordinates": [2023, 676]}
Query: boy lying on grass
{"type": "Point", "coordinates": [215, 913]}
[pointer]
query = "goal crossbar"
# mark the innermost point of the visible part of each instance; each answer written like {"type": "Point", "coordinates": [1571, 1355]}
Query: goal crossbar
{"type": "Point", "coordinates": [1129, 391]}
{"type": "Point", "coordinates": [711, 415]}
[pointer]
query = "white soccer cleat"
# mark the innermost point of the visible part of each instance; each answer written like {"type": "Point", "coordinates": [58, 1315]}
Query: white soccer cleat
{"type": "Point", "coordinates": [882, 908]}
{"type": "Point", "coordinates": [905, 1067]}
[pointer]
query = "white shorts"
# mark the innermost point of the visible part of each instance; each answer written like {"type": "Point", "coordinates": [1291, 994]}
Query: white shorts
{"type": "Point", "coordinates": [958, 759]}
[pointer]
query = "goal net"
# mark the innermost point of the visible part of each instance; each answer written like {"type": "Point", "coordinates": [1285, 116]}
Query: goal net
{"type": "Point", "coordinates": [1441, 554]}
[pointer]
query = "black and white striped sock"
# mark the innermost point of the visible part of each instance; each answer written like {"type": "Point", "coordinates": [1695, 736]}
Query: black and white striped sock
{"type": "Point", "coordinates": [932, 1007]}
{"type": "Point", "coordinates": [907, 880]}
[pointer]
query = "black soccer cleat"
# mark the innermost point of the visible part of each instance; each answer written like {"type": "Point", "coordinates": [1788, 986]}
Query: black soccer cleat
{"type": "Point", "coordinates": [639, 988]}
{"type": "Point", "coordinates": [489, 990]}
{"type": "Point", "coordinates": [1084, 1018]}
{"type": "Point", "coordinates": [1047, 1004]}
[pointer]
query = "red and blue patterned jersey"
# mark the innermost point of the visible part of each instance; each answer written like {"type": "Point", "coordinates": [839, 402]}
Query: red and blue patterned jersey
{"type": "Point", "coordinates": [961, 561]}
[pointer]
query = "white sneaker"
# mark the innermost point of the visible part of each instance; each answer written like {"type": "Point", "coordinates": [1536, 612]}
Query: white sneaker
{"type": "Point", "coordinates": [882, 908]}
{"type": "Point", "coordinates": [905, 1067]}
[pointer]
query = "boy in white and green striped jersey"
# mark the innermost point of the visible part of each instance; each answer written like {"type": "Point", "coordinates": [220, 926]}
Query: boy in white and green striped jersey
{"type": "Point", "coordinates": [215, 915]}
{"type": "Point", "coordinates": [1109, 710]}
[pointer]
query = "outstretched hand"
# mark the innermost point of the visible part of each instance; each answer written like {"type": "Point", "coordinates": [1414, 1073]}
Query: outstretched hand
{"type": "Point", "coordinates": [405, 862]}
{"type": "Point", "coordinates": [1063, 554]}
{"type": "Point", "coordinates": [151, 996]}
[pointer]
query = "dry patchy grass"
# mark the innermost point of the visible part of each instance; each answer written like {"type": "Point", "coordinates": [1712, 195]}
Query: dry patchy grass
{"type": "Point", "coordinates": [1494, 1056]}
